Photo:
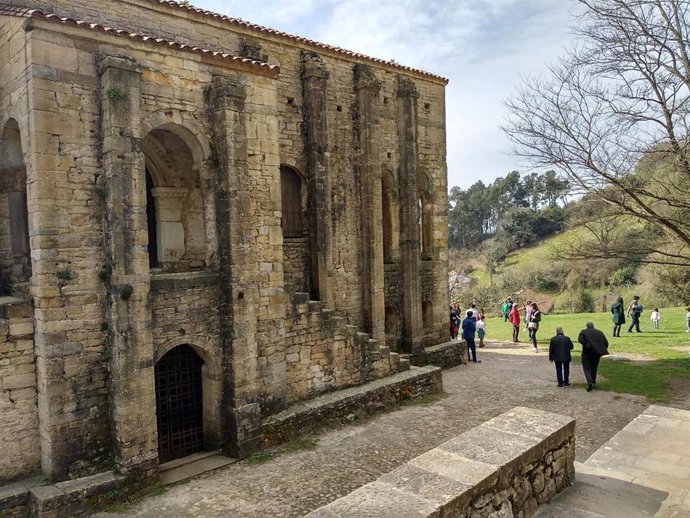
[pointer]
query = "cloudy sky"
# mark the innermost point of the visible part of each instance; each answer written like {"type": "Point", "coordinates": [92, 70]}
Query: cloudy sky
{"type": "Point", "coordinates": [482, 46]}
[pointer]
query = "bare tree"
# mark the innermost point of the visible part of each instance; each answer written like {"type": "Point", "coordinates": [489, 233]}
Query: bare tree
{"type": "Point", "coordinates": [619, 99]}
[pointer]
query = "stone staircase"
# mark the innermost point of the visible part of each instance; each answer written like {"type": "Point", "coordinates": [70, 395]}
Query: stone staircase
{"type": "Point", "coordinates": [371, 349]}
{"type": "Point", "coordinates": [643, 471]}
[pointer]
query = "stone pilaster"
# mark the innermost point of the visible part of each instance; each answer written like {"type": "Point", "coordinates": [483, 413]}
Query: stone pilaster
{"type": "Point", "coordinates": [132, 384]}
{"type": "Point", "coordinates": [315, 88]}
{"type": "Point", "coordinates": [409, 214]}
{"type": "Point", "coordinates": [250, 259]}
{"type": "Point", "coordinates": [369, 169]}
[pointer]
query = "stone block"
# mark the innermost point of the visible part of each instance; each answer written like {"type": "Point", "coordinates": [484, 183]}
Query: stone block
{"type": "Point", "coordinates": [21, 328]}
{"type": "Point", "coordinates": [19, 381]}
{"type": "Point", "coordinates": [378, 500]}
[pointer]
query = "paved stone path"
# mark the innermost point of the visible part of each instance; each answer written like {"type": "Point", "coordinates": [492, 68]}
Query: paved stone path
{"type": "Point", "coordinates": [352, 455]}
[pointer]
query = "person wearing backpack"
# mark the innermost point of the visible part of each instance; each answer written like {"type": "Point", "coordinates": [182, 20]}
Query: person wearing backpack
{"type": "Point", "coordinates": [635, 311]}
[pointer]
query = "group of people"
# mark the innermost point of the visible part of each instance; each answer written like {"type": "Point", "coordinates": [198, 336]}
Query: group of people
{"type": "Point", "coordinates": [532, 317]}
{"type": "Point", "coordinates": [634, 311]}
{"type": "Point", "coordinates": [594, 346]}
{"type": "Point", "coordinates": [594, 341]}
{"type": "Point", "coordinates": [472, 325]}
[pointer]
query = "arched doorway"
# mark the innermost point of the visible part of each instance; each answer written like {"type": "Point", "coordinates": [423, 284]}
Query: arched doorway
{"type": "Point", "coordinates": [179, 403]}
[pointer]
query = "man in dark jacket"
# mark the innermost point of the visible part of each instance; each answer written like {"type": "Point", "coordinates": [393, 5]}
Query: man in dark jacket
{"type": "Point", "coordinates": [559, 353]}
{"type": "Point", "coordinates": [594, 346]}
{"type": "Point", "coordinates": [469, 328]}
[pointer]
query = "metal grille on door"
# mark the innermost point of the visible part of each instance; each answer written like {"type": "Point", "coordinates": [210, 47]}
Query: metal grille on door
{"type": "Point", "coordinates": [179, 404]}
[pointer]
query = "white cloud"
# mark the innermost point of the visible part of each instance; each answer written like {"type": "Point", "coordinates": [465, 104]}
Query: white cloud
{"type": "Point", "coordinates": [482, 46]}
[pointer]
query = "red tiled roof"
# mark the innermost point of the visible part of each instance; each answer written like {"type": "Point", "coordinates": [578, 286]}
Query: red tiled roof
{"type": "Point", "coordinates": [297, 39]}
{"type": "Point", "coordinates": [25, 12]}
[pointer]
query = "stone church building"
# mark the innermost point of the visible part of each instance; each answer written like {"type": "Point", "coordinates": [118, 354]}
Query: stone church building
{"type": "Point", "coordinates": [202, 221]}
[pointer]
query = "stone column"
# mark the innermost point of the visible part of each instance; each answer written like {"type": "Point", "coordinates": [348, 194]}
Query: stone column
{"type": "Point", "coordinates": [250, 257]}
{"type": "Point", "coordinates": [133, 404]}
{"type": "Point", "coordinates": [409, 214]}
{"type": "Point", "coordinates": [369, 168]}
{"type": "Point", "coordinates": [169, 227]}
{"type": "Point", "coordinates": [314, 85]}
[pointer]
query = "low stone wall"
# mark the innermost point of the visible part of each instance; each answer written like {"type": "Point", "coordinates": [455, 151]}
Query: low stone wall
{"type": "Point", "coordinates": [444, 355]}
{"type": "Point", "coordinates": [304, 417]}
{"type": "Point", "coordinates": [20, 453]}
{"type": "Point", "coordinates": [503, 468]}
{"type": "Point", "coordinates": [37, 499]}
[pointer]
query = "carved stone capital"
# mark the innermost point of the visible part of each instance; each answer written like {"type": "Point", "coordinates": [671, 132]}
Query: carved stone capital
{"type": "Point", "coordinates": [365, 78]}
{"type": "Point", "coordinates": [106, 62]}
{"type": "Point", "coordinates": [313, 67]}
{"type": "Point", "coordinates": [407, 88]}
{"type": "Point", "coordinates": [222, 86]}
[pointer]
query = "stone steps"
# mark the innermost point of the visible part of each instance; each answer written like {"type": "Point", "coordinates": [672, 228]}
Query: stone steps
{"type": "Point", "coordinates": [191, 466]}
{"type": "Point", "coordinates": [644, 470]}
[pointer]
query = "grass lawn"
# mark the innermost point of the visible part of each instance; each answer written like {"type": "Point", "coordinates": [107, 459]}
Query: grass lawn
{"type": "Point", "coordinates": [659, 358]}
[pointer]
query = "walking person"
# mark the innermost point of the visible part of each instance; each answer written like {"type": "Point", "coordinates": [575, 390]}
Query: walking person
{"type": "Point", "coordinates": [515, 320]}
{"type": "Point", "coordinates": [454, 322]}
{"type": "Point", "coordinates": [635, 311]}
{"type": "Point", "coordinates": [528, 312]}
{"type": "Point", "coordinates": [559, 354]}
{"type": "Point", "coordinates": [469, 328]}
{"type": "Point", "coordinates": [533, 325]}
{"type": "Point", "coordinates": [594, 346]}
{"type": "Point", "coordinates": [618, 316]}
{"type": "Point", "coordinates": [687, 319]}
{"type": "Point", "coordinates": [656, 316]}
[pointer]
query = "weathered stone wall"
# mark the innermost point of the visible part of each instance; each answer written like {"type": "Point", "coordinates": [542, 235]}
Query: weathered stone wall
{"type": "Point", "coordinates": [296, 264]}
{"type": "Point", "coordinates": [355, 402]}
{"type": "Point", "coordinates": [66, 230]}
{"type": "Point", "coordinates": [323, 353]}
{"type": "Point", "coordinates": [434, 288]}
{"type": "Point", "coordinates": [345, 279]}
{"type": "Point", "coordinates": [393, 307]}
{"type": "Point", "coordinates": [19, 440]}
{"type": "Point", "coordinates": [102, 108]}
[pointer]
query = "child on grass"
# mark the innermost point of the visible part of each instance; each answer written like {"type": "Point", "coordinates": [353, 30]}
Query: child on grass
{"type": "Point", "coordinates": [656, 316]}
{"type": "Point", "coordinates": [687, 319]}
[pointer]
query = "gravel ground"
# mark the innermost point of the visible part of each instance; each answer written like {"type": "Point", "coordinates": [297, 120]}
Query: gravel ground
{"type": "Point", "coordinates": [349, 456]}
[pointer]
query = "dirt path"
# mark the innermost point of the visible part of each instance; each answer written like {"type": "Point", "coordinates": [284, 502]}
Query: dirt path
{"type": "Point", "coordinates": [352, 455]}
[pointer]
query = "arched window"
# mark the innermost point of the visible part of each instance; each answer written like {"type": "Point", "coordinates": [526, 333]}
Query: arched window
{"type": "Point", "coordinates": [175, 202]}
{"type": "Point", "coordinates": [291, 196]}
{"type": "Point", "coordinates": [15, 251]}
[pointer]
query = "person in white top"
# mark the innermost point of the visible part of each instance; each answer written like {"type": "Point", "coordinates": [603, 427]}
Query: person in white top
{"type": "Point", "coordinates": [656, 316]}
{"type": "Point", "coordinates": [687, 319]}
{"type": "Point", "coordinates": [481, 330]}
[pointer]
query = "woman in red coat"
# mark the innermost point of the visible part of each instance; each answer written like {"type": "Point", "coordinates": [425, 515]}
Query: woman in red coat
{"type": "Point", "coordinates": [515, 320]}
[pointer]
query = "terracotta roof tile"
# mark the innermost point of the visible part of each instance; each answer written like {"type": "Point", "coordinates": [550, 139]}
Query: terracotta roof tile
{"type": "Point", "coordinates": [24, 12]}
{"type": "Point", "coordinates": [298, 39]}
